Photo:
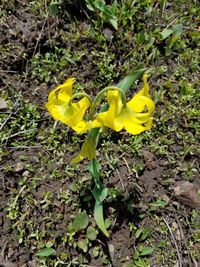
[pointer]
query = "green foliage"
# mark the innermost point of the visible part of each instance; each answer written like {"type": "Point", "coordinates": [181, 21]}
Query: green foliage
{"type": "Point", "coordinates": [80, 222]}
{"type": "Point", "coordinates": [54, 7]}
{"type": "Point", "coordinates": [46, 252]}
{"type": "Point", "coordinates": [105, 13]}
{"type": "Point", "coordinates": [99, 193]}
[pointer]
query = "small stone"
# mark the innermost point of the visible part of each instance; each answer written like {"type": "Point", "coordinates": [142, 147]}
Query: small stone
{"type": "Point", "coordinates": [108, 33]}
{"type": "Point", "coordinates": [165, 197]}
{"type": "Point", "coordinates": [111, 250]}
{"type": "Point", "coordinates": [178, 235]}
{"type": "Point", "coordinates": [19, 167]}
{"type": "Point", "coordinates": [26, 174]}
{"type": "Point", "coordinates": [175, 225]}
{"type": "Point", "coordinates": [11, 252]}
{"type": "Point", "coordinates": [3, 104]}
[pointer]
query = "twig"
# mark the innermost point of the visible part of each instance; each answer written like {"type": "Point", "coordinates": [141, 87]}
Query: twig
{"type": "Point", "coordinates": [9, 71]}
{"type": "Point", "coordinates": [20, 147]}
{"type": "Point", "coordinates": [13, 110]}
{"type": "Point", "coordinates": [21, 132]}
{"type": "Point", "coordinates": [120, 178]}
{"type": "Point", "coordinates": [39, 37]}
{"type": "Point", "coordinates": [174, 240]}
{"type": "Point", "coordinates": [126, 163]}
{"type": "Point", "coordinates": [183, 239]}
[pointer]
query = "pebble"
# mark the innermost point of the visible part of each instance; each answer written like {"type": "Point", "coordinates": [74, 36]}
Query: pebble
{"type": "Point", "coordinates": [19, 167]}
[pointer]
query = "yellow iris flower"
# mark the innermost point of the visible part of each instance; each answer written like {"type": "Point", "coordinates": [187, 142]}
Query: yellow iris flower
{"type": "Point", "coordinates": [62, 109]}
{"type": "Point", "coordinates": [135, 117]}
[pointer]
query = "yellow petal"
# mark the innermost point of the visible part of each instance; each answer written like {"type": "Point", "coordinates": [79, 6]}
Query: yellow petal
{"type": "Point", "coordinates": [134, 128]}
{"type": "Point", "coordinates": [131, 124]}
{"type": "Point", "coordinates": [108, 118]}
{"type": "Point", "coordinates": [80, 127]}
{"type": "Point", "coordinates": [138, 104]}
{"type": "Point", "coordinates": [57, 109]}
{"type": "Point", "coordinates": [64, 91]}
{"type": "Point", "coordinates": [145, 90]}
{"type": "Point", "coordinates": [149, 124]}
{"type": "Point", "coordinates": [79, 108]}
{"type": "Point", "coordinates": [142, 117]}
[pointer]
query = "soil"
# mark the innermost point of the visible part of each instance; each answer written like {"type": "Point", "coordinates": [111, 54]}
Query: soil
{"type": "Point", "coordinates": [139, 178]}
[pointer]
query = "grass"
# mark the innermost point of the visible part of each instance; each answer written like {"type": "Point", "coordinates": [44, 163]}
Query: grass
{"type": "Point", "coordinates": [44, 197]}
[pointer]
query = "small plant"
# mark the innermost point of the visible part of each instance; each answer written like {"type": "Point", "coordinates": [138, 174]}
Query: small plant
{"type": "Point", "coordinates": [134, 116]}
{"type": "Point", "coordinates": [105, 12]}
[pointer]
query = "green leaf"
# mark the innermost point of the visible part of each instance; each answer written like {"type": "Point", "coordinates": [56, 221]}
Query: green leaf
{"type": "Point", "coordinates": [83, 244]}
{"type": "Point", "coordinates": [95, 252]}
{"type": "Point", "coordinates": [53, 9]}
{"type": "Point", "coordinates": [129, 80]}
{"type": "Point", "coordinates": [177, 30]}
{"type": "Point", "coordinates": [100, 193]}
{"type": "Point", "coordinates": [80, 222]}
{"type": "Point", "coordinates": [145, 233]}
{"type": "Point", "coordinates": [107, 223]}
{"type": "Point", "coordinates": [141, 37]}
{"type": "Point", "coordinates": [46, 252]}
{"type": "Point", "coordinates": [91, 233]}
{"type": "Point", "coordinates": [114, 6]}
{"type": "Point", "coordinates": [90, 5]}
{"type": "Point", "coordinates": [98, 215]}
{"type": "Point", "coordinates": [138, 233]}
{"type": "Point", "coordinates": [114, 23]}
{"type": "Point", "coordinates": [144, 251]}
{"type": "Point", "coordinates": [157, 204]}
{"type": "Point", "coordinates": [107, 12]}
{"type": "Point", "coordinates": [94, 168]}
{"type": "Point", "coordinates": [166, 33]}
{"type": "Point", "coordinates": [162, 5]}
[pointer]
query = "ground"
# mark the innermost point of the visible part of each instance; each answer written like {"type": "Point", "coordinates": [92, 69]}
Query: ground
{"type": "Point", "coordinates": [152, 208]}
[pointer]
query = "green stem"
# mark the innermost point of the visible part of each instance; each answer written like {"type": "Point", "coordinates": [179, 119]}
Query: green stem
{"type": "Point", "coordinates": [80, 95]}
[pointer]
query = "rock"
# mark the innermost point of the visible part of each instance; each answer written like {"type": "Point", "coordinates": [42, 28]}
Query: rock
{"type": "Point", "coordinates": [108, 33]}
{"type": "Point", "coordinates": [26, 174]}
{"type": "Point", "coordinates": [175, 225]}
{"type": "Point", "coordinates": [187, 194]}
{"type": "Point", "coordinates": [3, 104]}
{"type": "Point", "coordinates": [19, 167]}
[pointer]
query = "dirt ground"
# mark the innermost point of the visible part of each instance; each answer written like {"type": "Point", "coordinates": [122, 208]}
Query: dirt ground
{"type": "Point", "coordinates": [153, 179]}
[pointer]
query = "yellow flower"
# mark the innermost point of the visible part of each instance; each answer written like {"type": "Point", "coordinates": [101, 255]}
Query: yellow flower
{"type": "Point", "coordinates": [62, 109]}
{"type": "Point", "coordinates": [87, 151]}
{"type": "Point", "coordinates": [135, 117]}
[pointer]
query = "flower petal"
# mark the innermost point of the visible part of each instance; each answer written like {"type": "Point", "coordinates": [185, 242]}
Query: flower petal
{"type": "Point", "coordinates": [108, 118]}
{"type": "Point", "coordinates": [64, 91]}
{"type": "Point", "coordinates": [145, 90]}
{"type": "Point", "coordinates": [138, 104]}
{"type": "Point", "coordinates": [79, 108]}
